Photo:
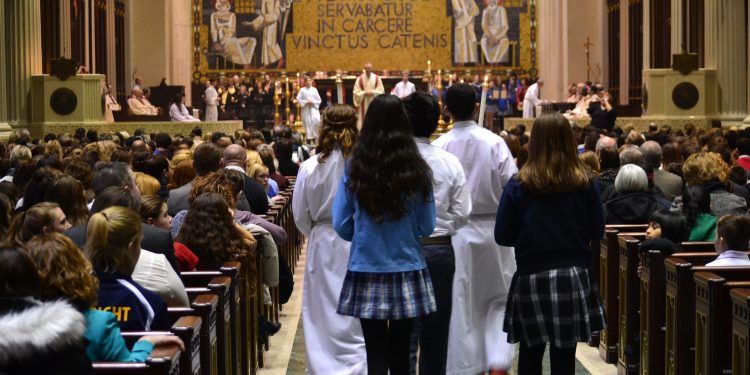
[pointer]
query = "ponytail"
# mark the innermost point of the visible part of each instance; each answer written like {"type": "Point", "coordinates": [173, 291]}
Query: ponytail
{"type": "Point", "coordinates": [31, 222]}
{"type": "Point", "coordinates": [14, 232]}
{"type": "Point", "coordinates": [109, 236]}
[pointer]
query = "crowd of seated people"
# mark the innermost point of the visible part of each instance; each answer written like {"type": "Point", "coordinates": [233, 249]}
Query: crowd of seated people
{"type": "Point", "coordinates": [90, 239]}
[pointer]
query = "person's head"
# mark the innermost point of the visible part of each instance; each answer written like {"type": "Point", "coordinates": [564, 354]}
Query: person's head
{"type": "Point", "coordinates": [68, 192]}
{"type": "Point", "coordinates": [113, 240]}
{"type": "Point", "coordinates": [227, 183]}
{"type": "Point", "coordinates": [461, 101]}
{"type": "Point", "coordinates": [259, 172]}
{"type": "Point", "coordinates": [154, 212]}
{"type": "Point", "coordinates": [37, 187]}
{"type": "Point", "coordinates": [591, 161]}
{"type": "Point", "coordinates": [368, 68]}
{"type": "Point", "coordinates": [423, 111]}
{"type": "Point", "coordinates": [386, 169]}
{"type": "Point", "coordinates": [6, 210]}
{"type": "Point", "coordinates": [590, 141]}
{"type": "Point", "coordinates": [182, 173]}
{"type": "Point", "coordinates": [605, 142]}
{"type": "Point", "coordinates": [210, 232]}
{"type": "Point", "coordinates": [119, 174]}
{"type": "Point", "coordinates": [666, 224]}
{"type": "Point", "coordinates": [147, 185]}
{"type": "Point", "coordinates": [540, 82]}
{"type": "Point", "coordinates": [553, 165]}
{"type": "Point", "coordinates": [632, 155]}
{"type": "Point", "coordinates": [743, 146]}
{"type": "Point", "coordinates": [115, 196]}
{"type": "Point", "coordinates": [652, 155]}
{"type": "Point", "coordinates": [234, 155]}
{"type": "Point", "coordinates": [732, 233]}
{"type": "Point", "coordinates": [631, 178]}
{"type": "Point", "coordinates": [309, 82]}
{"type": "Point", "coordinates": [405, 75]}
{"type": "Point", "coordinates": [163, 140]}
{"type": "Point", "coordinates": [338, 130]}
{"type": "Point", "coordinates": [705, 167]}
{"type": "Point", "coordinates": [670, 154]}
{"type": "Point", "coordinates": [18, 275]}
{"type": "Point", "coordinates": [138, 93]}
{"type": "Point", "coordinates": [177, 99]}
{"type": "Point", "coordinates": [64, 271]}
{"type": "Point", "coordinates": [45, 217]}
{"type": "Point", "coordinates": [156, 166]}
{"type": "Point", "coordinates": [206, 158]}
{"type": "Point", "coordinates": [282, 149]}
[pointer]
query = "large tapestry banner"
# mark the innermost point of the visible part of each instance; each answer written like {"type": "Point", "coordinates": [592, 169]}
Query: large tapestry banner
{"type": "Point", "coordinates": [326, 35]}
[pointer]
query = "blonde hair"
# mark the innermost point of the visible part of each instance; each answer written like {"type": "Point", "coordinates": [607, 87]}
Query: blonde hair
{"type": "Point", "coordinates": [147, 184]}
{"type": "Point", "coordinates": [590, 159]}
{"type": "Point", "coordinates": [256, 169]}
{"type": "Point", "coordinates": [253, 157]}
{"type": "Point", "coordinates": [180, 156]}
{"type": "Point", "coordinates": [53, 147]}
{"type": "Point", "coordinates": [63, 270]}
{"type": "Point", "coordinates": [110, 236]}
{"type": "Point", "coordinates": [703, 167]}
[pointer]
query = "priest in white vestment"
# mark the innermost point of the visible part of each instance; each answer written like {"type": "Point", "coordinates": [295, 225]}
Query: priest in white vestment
{"type": "Point", "coordinates": [366, 87]}
{"type": "Point", "coordinates": [309, 100]}
{"type": "Point", "coordinates": [111, 105]}
{"type": "Point", "coordinates": [531, 99]}
{"type": "Point", "coordinates": [465, 45]}
{"type": "Point", "coordinates": [484, 269]}
{"type": "Point", "coordinates": [139, 105]}
{"type": "Point", "coordinates": [334, 343]}
{"type": "Point", "coordinates": [495, 39]}
{"type": "Point", "coordinates": [211, 97]}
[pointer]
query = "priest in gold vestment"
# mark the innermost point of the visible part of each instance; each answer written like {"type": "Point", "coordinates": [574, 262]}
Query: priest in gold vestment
{"type": "Point", "coordinates": [366, 87]}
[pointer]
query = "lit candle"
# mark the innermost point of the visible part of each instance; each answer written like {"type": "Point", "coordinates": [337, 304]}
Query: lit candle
{"type": "Point", "coordinates": [339, 89]}
{"type": "Point", "coordinates": [429, 66]}
{"type": "Point", "coordinates": [483, 105]}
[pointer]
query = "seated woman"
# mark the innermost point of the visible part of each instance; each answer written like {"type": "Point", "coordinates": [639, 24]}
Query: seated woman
{"type": "Point", "coordinates": [666, 230]}
{"type": "Point", "coordinates": [42, 218]}
{"type": "Point", "coordinates": [68, 192]}
{"type": "Point", "coordinates": [632, 203]}
{"type": "Point", "coordinates": [268, 157]}
{"type": "Point", "coordinates": [178, 112]}
{"type": "Point", "coordinates": [54, 253]}
{"type": "Point", "coordinates": [696, 208]}
{"type": "Point", "coordinates": [38, 337]}
{"type": "Point", "coordinates": [113, 245]}
{"type": "Point", "coordinates": [732, 236]}
{"type": "Point", "coordinates": [259, 172]}
{"type": "Point", "coordinates": [154, 212]}
{"type": "Point", "coordinates": [712, 172]}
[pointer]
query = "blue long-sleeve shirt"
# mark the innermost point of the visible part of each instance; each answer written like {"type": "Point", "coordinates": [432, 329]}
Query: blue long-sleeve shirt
{"type": "Point", "coordinates": [549, 230]}
{"type": "Point", "coordinates": [105, 344]}
{"type": "Point", "coordinates": [390, 246]}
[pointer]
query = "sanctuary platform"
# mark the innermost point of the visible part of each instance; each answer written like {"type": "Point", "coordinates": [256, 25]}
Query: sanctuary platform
{"type": "Point", "coordinates": [184, 128]}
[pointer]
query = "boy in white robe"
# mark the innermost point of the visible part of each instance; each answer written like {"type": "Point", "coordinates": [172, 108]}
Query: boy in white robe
{"type": "Point", "coordinates": [309, 100]}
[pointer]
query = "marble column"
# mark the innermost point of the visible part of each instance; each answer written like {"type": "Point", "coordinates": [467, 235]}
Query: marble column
{"type": "Point", "coordinates": [24, 38]}
{"type": "Point", "coordinates": [725, 51]}
{"type": "Point", "coordinates": [4, 127]}
{"type": "Point", "coordinates": [552, 31]}
{"type": "Point", "coordinates": [624, 97]}
{"type": "Point", "coordinates": [646, 27]}
{"type": "Point", "coordinates": [111, 47]}
{"type": "Point", "coordinates": [677, 41]}
{"type": "Point", "coordinates": [65, 32]}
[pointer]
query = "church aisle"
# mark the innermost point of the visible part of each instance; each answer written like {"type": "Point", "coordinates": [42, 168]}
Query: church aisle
{"type": "Point", "coordinates": [287, 354]}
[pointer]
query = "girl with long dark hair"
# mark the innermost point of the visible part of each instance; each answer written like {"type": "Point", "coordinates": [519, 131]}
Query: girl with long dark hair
{"type": "Point", "coordinates": [383, 206]}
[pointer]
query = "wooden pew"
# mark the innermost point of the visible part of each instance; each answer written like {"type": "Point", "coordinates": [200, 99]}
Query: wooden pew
{"type": "Point", "coordinates": [740, 331]}
{"type": "Point", "coordinates": [163, 360]}
{"type": "Point", "coordinates": [204, 306]}
{"type": "Point", "coordinates": [188, 329]}
{"type": "Point", "coordinates": [713, 328]}
{"type": "Point", "coordinates": [652, 303]}
{"type": "Point", "coordinates": [629, 304]}
{"type": "Point", "coordinates": [680, 311]}
{"type": "Point", "coordinates": [220, 286]}
{"type": "Point", "coordinates": [608, 290]}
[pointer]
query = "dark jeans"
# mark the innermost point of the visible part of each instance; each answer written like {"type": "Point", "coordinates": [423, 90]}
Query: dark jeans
{"type": "Point", "coordinates": [430, 333]}
{"type": "Point", "coordinates": [387, 345]}
{"type": "Point", "coordinates": [562, 360]}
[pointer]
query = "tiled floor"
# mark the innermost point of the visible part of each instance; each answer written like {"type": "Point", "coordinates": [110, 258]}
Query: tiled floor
{"type": "Point", "coordinates": [287, 354]}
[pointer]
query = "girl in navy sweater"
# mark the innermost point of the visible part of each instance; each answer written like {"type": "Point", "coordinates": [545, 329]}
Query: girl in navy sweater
{"type": "Point", "coordinates": [550, 212]}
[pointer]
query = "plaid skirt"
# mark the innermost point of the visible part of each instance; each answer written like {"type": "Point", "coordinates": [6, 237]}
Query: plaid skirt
{"type": "Point", "coordinates": [558, 306]}
{"type": "Point", "coordinates": [395, 295]}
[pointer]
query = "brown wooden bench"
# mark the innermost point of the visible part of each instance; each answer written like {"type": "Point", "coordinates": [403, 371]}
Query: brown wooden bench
{"type": "Point", "coordinates": [652, 303]}
{"type": "Point", "coordinates": [629, 304]}
{"type": "Point", "coordinates": [608, 289]}
{"type": "Point", "coordinates": [740, 331]}
{"type": "Point", "coordinates": [204, 306]}
{"type": "Point", "coordinates": [188, 329]}
{"type": "Point", "coordinates": [163, 360]}
{"type": "Point", "coordinates": [713, 326]}
{"type": "Point", "coordinates": [220, 286]}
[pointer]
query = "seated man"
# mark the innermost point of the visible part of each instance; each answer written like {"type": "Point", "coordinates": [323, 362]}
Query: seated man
{"type": "Point", "coordinates": [139, 105]}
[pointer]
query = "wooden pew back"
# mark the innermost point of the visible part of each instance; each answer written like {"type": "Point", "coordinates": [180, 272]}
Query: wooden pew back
{"type": "Point", "coordinates": [740, 331]}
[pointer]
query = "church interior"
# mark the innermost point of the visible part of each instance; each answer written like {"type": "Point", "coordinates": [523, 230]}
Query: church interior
{"type": "Point", "coordinates": [172, 94]}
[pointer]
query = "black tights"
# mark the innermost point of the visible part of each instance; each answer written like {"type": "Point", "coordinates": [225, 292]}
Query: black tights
{"type": "Point", "coordinates": [387, 345]}
{"type": "Point", "coordinates": [562, 360]}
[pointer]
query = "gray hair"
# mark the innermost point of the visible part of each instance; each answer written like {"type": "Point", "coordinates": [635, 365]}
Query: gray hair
{"type": "Point", "coordinates": [605, 142]}
{"type": "Point", "coordinates": [652, 154]}
{"type": "Point", "coordinates": [632, 155]}
{"type": "Point", "coordinates": [631, 178]}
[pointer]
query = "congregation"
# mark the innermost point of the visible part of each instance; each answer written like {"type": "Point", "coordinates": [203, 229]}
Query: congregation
{"type": "Point", "coordinates": [404, 229]}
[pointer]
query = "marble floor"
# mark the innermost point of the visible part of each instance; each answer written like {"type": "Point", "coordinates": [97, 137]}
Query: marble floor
{"type": "Point", "coordinates": [287, 354]}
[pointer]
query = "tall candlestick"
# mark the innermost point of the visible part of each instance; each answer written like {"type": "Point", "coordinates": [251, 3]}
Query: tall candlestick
{"type": "Point", "coordinates": [441, 122]}
{"type": "Point", "coordinates": [276, 103]}
{"type": "Point", "coordinates": [483, 105]}
{"type": "Point", "coordinates": [339, 89]}
{"type": "Point", "coordinates": [429, 67]}
{"type": "Point", "coordinates": [287, 98]}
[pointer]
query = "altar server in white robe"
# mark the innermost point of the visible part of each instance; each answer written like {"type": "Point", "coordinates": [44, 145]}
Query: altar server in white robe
{"type": "Point", "coordinates": [465, 44]}
{"type": "Point", "coordinates": [531, 99]}
{"type": "Point", "coordinates": [404, 88]}
{"type": "Point", "coordinates": [484, 269]}
{"type": "Point", "coordinates": [366, 87]}
{"type": "Point", "coordinates": [211, 96]}
{"type": "Point", "coordinates": [309, 98]}
{"type": "Point", "coordinates": [495, 39]}
{"type": "Point", "coordinates": [334, 343]}
{"type": "Point", "coordinates": [178, 112]}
